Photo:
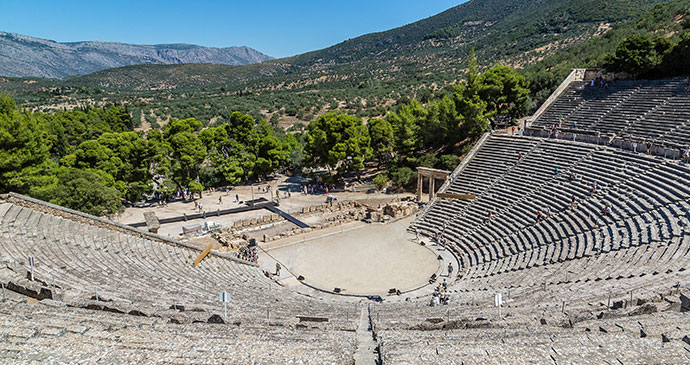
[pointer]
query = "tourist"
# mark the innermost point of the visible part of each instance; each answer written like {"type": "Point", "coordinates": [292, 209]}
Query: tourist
{"type": "Point", "coordinates": [595, 188]}
{"type": "Point", "coordinates": [572, 202]}
{"type": "Point", "coordinates": [649, 148]}
{"type": "Point", "coordinates": [575, 124]}
{"type": "Point", "coordinates": [556, 134]}
{"type": "Point", "coordinates": [539, 214]}
{"type": "Point", "coordinates": [220, 200]}
{"type": "Point", "coordinates": [489, 217]}
{"type": "Point", "coordinates": [555, 171]}
{"type": "Point", "coordinates": [513, 132]}
{"type": "Point", "coordinates": [547, 212]}
{"type": "Point", "coordinates": [201, 207]}
{"type": "Point", "coordinates": [607, 209]}
{"type": "Point", "coordinates": [277, 269]}
{"type": "Point", "coordinates": [237, 198]}
{"type": "Point", "coordinates": [450, 269]}
{"type": "Point", "coordinates": [686, 154]}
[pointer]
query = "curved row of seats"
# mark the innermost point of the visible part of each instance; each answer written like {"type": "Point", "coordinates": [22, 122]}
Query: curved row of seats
{"type": "Point", "coordinates": [607, 341]}
{"type": "Point", "coordinates": [656, 110]}
{"type": "Point", "coordinates": [83, 260]}
{"type": "Point", "coordinates": [51, 333]}
{"type": "Point", "coordinates": [577, 251]}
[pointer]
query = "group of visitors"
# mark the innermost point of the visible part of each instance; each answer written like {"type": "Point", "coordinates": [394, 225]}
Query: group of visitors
{"type": "Point", "coordinates": [198, 206]}
{"type": "Point", "coordinates": [317, 188]}
{"type": "Point", "coordinates": [248, 253]}
{"type": "Point", "coordinates": [599, 82]}
{"type": "Point", "coordinates": [439, 238]}
{"type": "Point", "coordinates": [440, 296]}
{"type": "Point", "coordinates": [519, 130]}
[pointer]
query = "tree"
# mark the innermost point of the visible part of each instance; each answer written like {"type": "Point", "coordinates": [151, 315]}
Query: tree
{"type": "Point", "coordinates": [427, 160]}
{"type": "Point", "coordinates": [334, 137]}
{"type": "Point", "coordinates": [405, 131]}
{"type": "Point", "coordinates": [24, 150]}
{"type": "Point", "coordinates": [677, 60]}
{"type": "Point", "coordinates": [469, 104]}
{"type": "Point", "coordinates": [402, 176]}
{"type": "Point", "coordinates": [381, 133]}
{"type": "Point", "coordinates": [505, 91]}
{"type": "Point", "coordinates": [380, 181]}
{"type": "Point", "coordinates": [448, 162]}
{"type": "Point", "coordinates": [195, 187]}
{"type": "Point", "coordinates": [87, 190]}
{"type": "Point", "coordinates": [188, 152]}
{"type": "Point", "coordinates": [636, 55]}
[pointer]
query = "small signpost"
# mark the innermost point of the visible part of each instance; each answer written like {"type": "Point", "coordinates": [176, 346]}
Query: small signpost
{"type": "Point", "coordinates": [498, 301]}
{"type": "Point", "coordinates": [31, 266]}
{"type": "Point", "coordinates": [225, 299]}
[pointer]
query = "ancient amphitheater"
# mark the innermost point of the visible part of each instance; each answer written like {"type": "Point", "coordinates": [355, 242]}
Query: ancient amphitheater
{"type": "Point", "coordinates": [598, 277]}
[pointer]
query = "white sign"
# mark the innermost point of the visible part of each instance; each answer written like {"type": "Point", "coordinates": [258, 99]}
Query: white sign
{"type": "Point", "coordinates": [498, 300]}
{"type": "Point", "coordinates": [225, 297]}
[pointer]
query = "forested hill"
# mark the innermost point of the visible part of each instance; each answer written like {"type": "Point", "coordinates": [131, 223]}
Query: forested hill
{"type": "Point", "coordinates": [24, 56]}
{"type": "Point", "coordinates": [432, 50]}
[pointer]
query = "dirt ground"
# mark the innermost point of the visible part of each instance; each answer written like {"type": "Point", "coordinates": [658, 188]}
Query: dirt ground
{"type": "Point", "coordinates": [369, 259]}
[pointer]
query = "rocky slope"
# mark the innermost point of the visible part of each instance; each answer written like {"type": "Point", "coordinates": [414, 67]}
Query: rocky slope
{"type": "Point", "coordinates": [24, 56]}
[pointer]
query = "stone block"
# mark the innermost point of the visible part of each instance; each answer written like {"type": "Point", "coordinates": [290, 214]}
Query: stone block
{"type": "Point", "coordinates": [216, 319]}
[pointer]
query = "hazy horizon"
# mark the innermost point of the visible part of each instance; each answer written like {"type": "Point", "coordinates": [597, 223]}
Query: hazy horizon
{"type": "Point", "coordinates": [280, 29]}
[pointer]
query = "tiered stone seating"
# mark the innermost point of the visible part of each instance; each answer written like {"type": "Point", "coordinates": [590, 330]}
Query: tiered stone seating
{"type": "Point", "coordinates": [48, 332]}
{"type": "Point", "coordinates": [654, 110]}
{"type": "Point", "coordinates": [578, 255]}
{"type": "Point", "coordinates": [130, 272]}
{"type": "Point", "coordinates": [601, 342]}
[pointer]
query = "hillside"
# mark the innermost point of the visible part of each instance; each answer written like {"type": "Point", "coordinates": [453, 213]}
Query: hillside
{"type": "Point", "coordinates": [363, 76]}
{"type": "Point", "coordinates": [24, 56]}
{"type": "Point", "coordinates": [434, 47]}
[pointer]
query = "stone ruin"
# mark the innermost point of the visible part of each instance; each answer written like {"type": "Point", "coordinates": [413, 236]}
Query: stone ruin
{"type": "Point", "coordinates": [390, 211]}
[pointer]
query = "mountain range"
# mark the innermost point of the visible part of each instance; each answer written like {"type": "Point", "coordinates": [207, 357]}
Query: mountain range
{"type": "Point", "coordinates": [25, 56]}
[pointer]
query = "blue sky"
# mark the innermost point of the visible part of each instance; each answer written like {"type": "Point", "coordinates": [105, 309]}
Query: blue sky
{"type": "Point", "coordinates": [278, 28]}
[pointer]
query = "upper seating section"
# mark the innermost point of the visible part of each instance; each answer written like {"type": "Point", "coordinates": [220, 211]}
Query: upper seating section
{"type": "Point", "coordinates": [652, 110]}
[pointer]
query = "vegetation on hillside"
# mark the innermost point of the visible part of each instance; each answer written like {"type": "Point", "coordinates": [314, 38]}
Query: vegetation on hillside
{"type": "Point", "coordinates": [364, 76]}
{"type": "Point", "coordinates": [664, 26]}
{"type": "Point", "coordinates": [92, 160]}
